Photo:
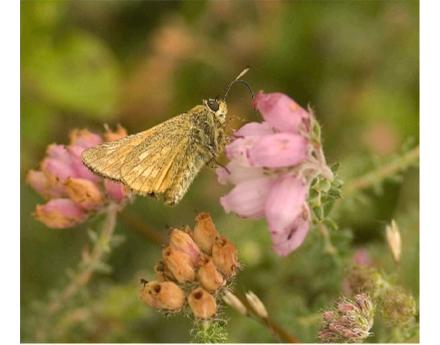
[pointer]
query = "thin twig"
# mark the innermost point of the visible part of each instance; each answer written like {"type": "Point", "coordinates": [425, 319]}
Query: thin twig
{"type": "Point", "coordinates": [280, 332]}
{"type": "Point", "coordinates": [371, 178]}
{"type": "Point", "coordinates": [86, 269]}
{"type": "Point", "coordinates": [270, 324]}
{"type": "Point", "coordinates": [135, 222]}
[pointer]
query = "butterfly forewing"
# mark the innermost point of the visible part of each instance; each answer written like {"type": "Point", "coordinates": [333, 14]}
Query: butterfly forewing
{"type": "Point", "coordinates": [106, 159]}
{"type": "Point", "coordinates": [165, 163]}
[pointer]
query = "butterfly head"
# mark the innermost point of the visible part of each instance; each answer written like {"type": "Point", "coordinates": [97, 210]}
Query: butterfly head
{"type": "Point", "coordinates": [217, 107]}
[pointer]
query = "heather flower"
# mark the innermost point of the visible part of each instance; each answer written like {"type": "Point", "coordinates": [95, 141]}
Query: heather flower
{"type": "Point", "coordinates": [349, 322]}
{"type": "Point", "coordinates": [179, 264]}
{"type": "Point", "coordinates": [72, 191]}
{"type": "Point", "coordinates": [398, 307]}
{"type": "Point", "coordinates": [60, 213]}
{"type": "Point", "coordinates": [162, 295]}
{"type": "Point", "coordinates": [182, 241]}
{"type": "Point", "coordinates": [202, 303]}
{"type": "Point", "coordinates": [205, 232]}
{"type": "Point", "coordinates": [208, 275]}
{"type": "Point", "coordinates": [224, 255]}
{"type": "Point", "coordinates": [362, 257]}
{"type": "Point", "coordinates": [272, 165]}
{"type": "Point", "coordinates": [364, 279]}
{"type": "Point", "coordinates": [200, 262]}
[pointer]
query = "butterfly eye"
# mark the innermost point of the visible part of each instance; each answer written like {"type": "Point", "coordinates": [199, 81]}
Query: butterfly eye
{"type": "Point", "coordinates": [213, 104]}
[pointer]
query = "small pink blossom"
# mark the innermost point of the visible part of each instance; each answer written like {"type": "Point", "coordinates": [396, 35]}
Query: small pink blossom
{"type": "Point", "coordinates": [362, 257]}
{"type": "Point", "coordinates": [40, 182]}
{"type": "Point", "coordinates": [272, 165]}
{"type": "Point", "coordinates": [74, 192]}
{"type": "Point", "coordinates": [284, 212]}
{"type": "Point", "coordinates": [239, 149]}
{"type": "Point", "coordinates": [280, 111]}
{"type": "Point", "coordinates": [254, 128]}
{"type": "Point", "coordinates": [60, 213]}
{"type": "Point", "coordinates": [235, 173]}
{"type": "Point", "coordinates": [84, 138]}
{"type": "Point", "coordinates": [115, 190]}
{"type": "Point", "coordinates": [248, 198]}
{"type": "Point", "coordinates": [278, 150]}
{"type": "Point", "coordinates": [57, 170]}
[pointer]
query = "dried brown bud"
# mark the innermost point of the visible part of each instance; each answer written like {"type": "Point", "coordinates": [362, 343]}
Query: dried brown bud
{"type": "Point", "coordinates": [182, 241]}
{"type": "Point", "coordinates": [394, 240]}
{"type": "Point", "coordinates": [205, 232]}
{"type": "Point", "coordinates": [84, 192]}
{"type": "Point", "coordinates": [234, 302]}
{"type": "Point", "coordinates": [256, 305]}
{"type": "Point", "coordinates": [162, 295]}
{"type": "Point", "coordinates": [224, 256]}
{"type": "Point", "coordinates": [208, 276]}
{"type": "Point", "coordinates": [179, 264]}
{"type": "Point", "coordinates": [119, 133]}
{"type": "Point", "coordinates": [202, 303]}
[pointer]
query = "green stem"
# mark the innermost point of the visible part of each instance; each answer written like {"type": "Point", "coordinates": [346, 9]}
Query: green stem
{"type": "Point", "coordinates": [270, 324]}
{"type": "Point", "coordinates": [382, 172]}
{"type": "Point", "coordinates": [87, 267]}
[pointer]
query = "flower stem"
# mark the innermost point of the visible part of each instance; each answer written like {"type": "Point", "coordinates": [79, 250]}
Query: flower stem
{"type": "Point", "coordinates": [281, 333]}
{"type": "Point", "coordinates": [88, 265]}
{"type": "Point", "coordinates": [371, 178]}
{"type": "Point", "coordinates": [270, 324]}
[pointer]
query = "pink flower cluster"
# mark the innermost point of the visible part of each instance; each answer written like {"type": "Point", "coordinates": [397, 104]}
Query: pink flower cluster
{"type": "Point", "coordinates": [72, 190]}
{"type": "Point", "coordinates": [272, 164]}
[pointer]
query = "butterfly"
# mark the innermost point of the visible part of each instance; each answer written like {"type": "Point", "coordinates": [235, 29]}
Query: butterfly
{"type": "Point", "coordinates": [163, 161]}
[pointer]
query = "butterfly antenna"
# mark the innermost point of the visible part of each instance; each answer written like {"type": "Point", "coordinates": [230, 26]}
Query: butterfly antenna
{"type": "Point", "coordinates": [238, 80]}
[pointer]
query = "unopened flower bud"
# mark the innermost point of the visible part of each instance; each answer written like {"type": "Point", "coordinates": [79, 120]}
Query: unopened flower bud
{"type": "Point", "coordinates": [84, 192]}
{"type": "Point", "coordinates": [182, 241]}
{"type": "Point", "coordinates": [202, 303]}
{"type": "Point", "coordinates": [162, 295]}
{"type": "Point", "coordinates": [224, 256]}
{"type": "Point", "coordinates": [363, 279]}
{"type": "Point", "coordinates": [398, 307]}
{"type": "Point", "coordinates": [56, 170]}
{"type": "Point", "coordinates": [256, 305]}
{"type": "Point", "coordinates": [179, 264]}
{"type": "Point", "coordinates": [40, 183]}
{"type": "Point", "coordinates": [394, 240]}
{"type": "Point", "coordinates": [205, 232]}
{"type": "Point", "coordinates": [115, 190]}
{"type": "Point", "coordinates": [208, 276]}
{"type": "Point", "coordinates": [349, 322]}
{"type": "Point", "coordinates": [117, 134]}
{"type": "Point", "coordinates": [84, 138]}
{"type": "Point", "coordinates": [60, 213]}
{"type": "Point", "coordinates": [234, 302]}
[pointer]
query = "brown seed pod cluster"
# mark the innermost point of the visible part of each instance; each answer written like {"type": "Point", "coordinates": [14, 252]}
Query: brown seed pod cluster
{"type": "Point", "coordinates": [196, 265]}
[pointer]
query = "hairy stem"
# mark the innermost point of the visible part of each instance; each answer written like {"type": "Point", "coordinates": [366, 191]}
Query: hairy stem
{"type": "Point", "coordinates": [87, 267]}
{"type": "Point", "coordinates": [382, 172]}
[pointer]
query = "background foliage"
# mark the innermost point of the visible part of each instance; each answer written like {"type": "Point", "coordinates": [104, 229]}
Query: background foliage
{"type": "Point", "coordinates": [85, 63]}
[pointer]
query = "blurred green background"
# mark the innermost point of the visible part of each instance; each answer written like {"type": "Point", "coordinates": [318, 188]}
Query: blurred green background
{"type": "Point", "coordinates": [86, 63]}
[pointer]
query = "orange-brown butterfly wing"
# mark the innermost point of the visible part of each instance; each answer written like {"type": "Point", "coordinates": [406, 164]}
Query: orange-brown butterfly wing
{"type": "Point", "coordinates": [106, 159]}
{"type": "Point", "coordinates": [165, 164]}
